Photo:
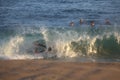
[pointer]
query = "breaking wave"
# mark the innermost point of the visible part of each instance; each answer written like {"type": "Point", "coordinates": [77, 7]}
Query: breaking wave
{"type": "Point", "coordinates": [65, 42]}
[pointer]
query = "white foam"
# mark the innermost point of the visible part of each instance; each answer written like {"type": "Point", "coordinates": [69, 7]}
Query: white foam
{"type": "Point", "coordinates": [13, 45]}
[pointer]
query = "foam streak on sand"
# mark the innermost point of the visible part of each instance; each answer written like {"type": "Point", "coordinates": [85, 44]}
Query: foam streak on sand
{"type": "Point", "coordinates": [54, 70]}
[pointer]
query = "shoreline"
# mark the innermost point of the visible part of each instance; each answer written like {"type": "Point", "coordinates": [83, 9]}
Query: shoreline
{"type": "Point", "coordinates": [58, 70]}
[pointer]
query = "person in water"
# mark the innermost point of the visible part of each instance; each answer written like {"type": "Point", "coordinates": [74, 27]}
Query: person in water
{"type": "Point", "coordinates": [92, 23]}
{"type": "Point", "coordinates": [39, 47]}
{"type": "Point", "coordinates": [81, 21]}
{"type": "Point", "coordinates": [49, 49]}
{"type": "Point", "coordinates": [93, 28]}
{"type": "Point", "coordinates": [107, 22]}
{"type": "Point", "coordinates": [71, 24]}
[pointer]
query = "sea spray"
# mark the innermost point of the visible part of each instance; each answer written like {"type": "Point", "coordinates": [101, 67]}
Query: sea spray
{"type": "Point", "coordinates": [65, 42]}
{"type": "Point", "coordinates": [13, 46]}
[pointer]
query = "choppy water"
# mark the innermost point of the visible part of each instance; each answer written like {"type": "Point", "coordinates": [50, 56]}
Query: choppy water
{"type": "Point", "coordinates": [57, 12]}
{"type": "Point", "coordinates": [23, 22]}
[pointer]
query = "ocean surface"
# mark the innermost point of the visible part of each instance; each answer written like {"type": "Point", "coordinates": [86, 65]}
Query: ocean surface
{"type": "Point", "coordinates": [26, 24]}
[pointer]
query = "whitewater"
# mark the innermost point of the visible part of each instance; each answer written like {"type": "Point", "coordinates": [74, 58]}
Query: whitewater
{"type": "Point", "coordinates": [23, 23]}
{"type": "Point", "coordinates": [66, 42]}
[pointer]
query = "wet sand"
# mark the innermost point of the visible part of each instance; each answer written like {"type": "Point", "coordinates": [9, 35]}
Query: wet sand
{"type": "Point", "coordinates": [54, 70]}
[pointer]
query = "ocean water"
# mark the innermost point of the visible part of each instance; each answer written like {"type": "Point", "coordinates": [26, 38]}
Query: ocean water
{"type": "Point", "coordinates": [25, 23]}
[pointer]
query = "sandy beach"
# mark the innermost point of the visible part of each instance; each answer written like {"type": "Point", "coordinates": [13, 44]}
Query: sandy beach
{"type": "Point", "coordinates": [54, 70]}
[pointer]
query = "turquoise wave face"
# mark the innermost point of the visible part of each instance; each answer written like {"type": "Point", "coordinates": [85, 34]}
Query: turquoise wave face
{"type": "Point", "coordinates": [106, 47]}
{"type": "Point", "coordinates": [70, 42]}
